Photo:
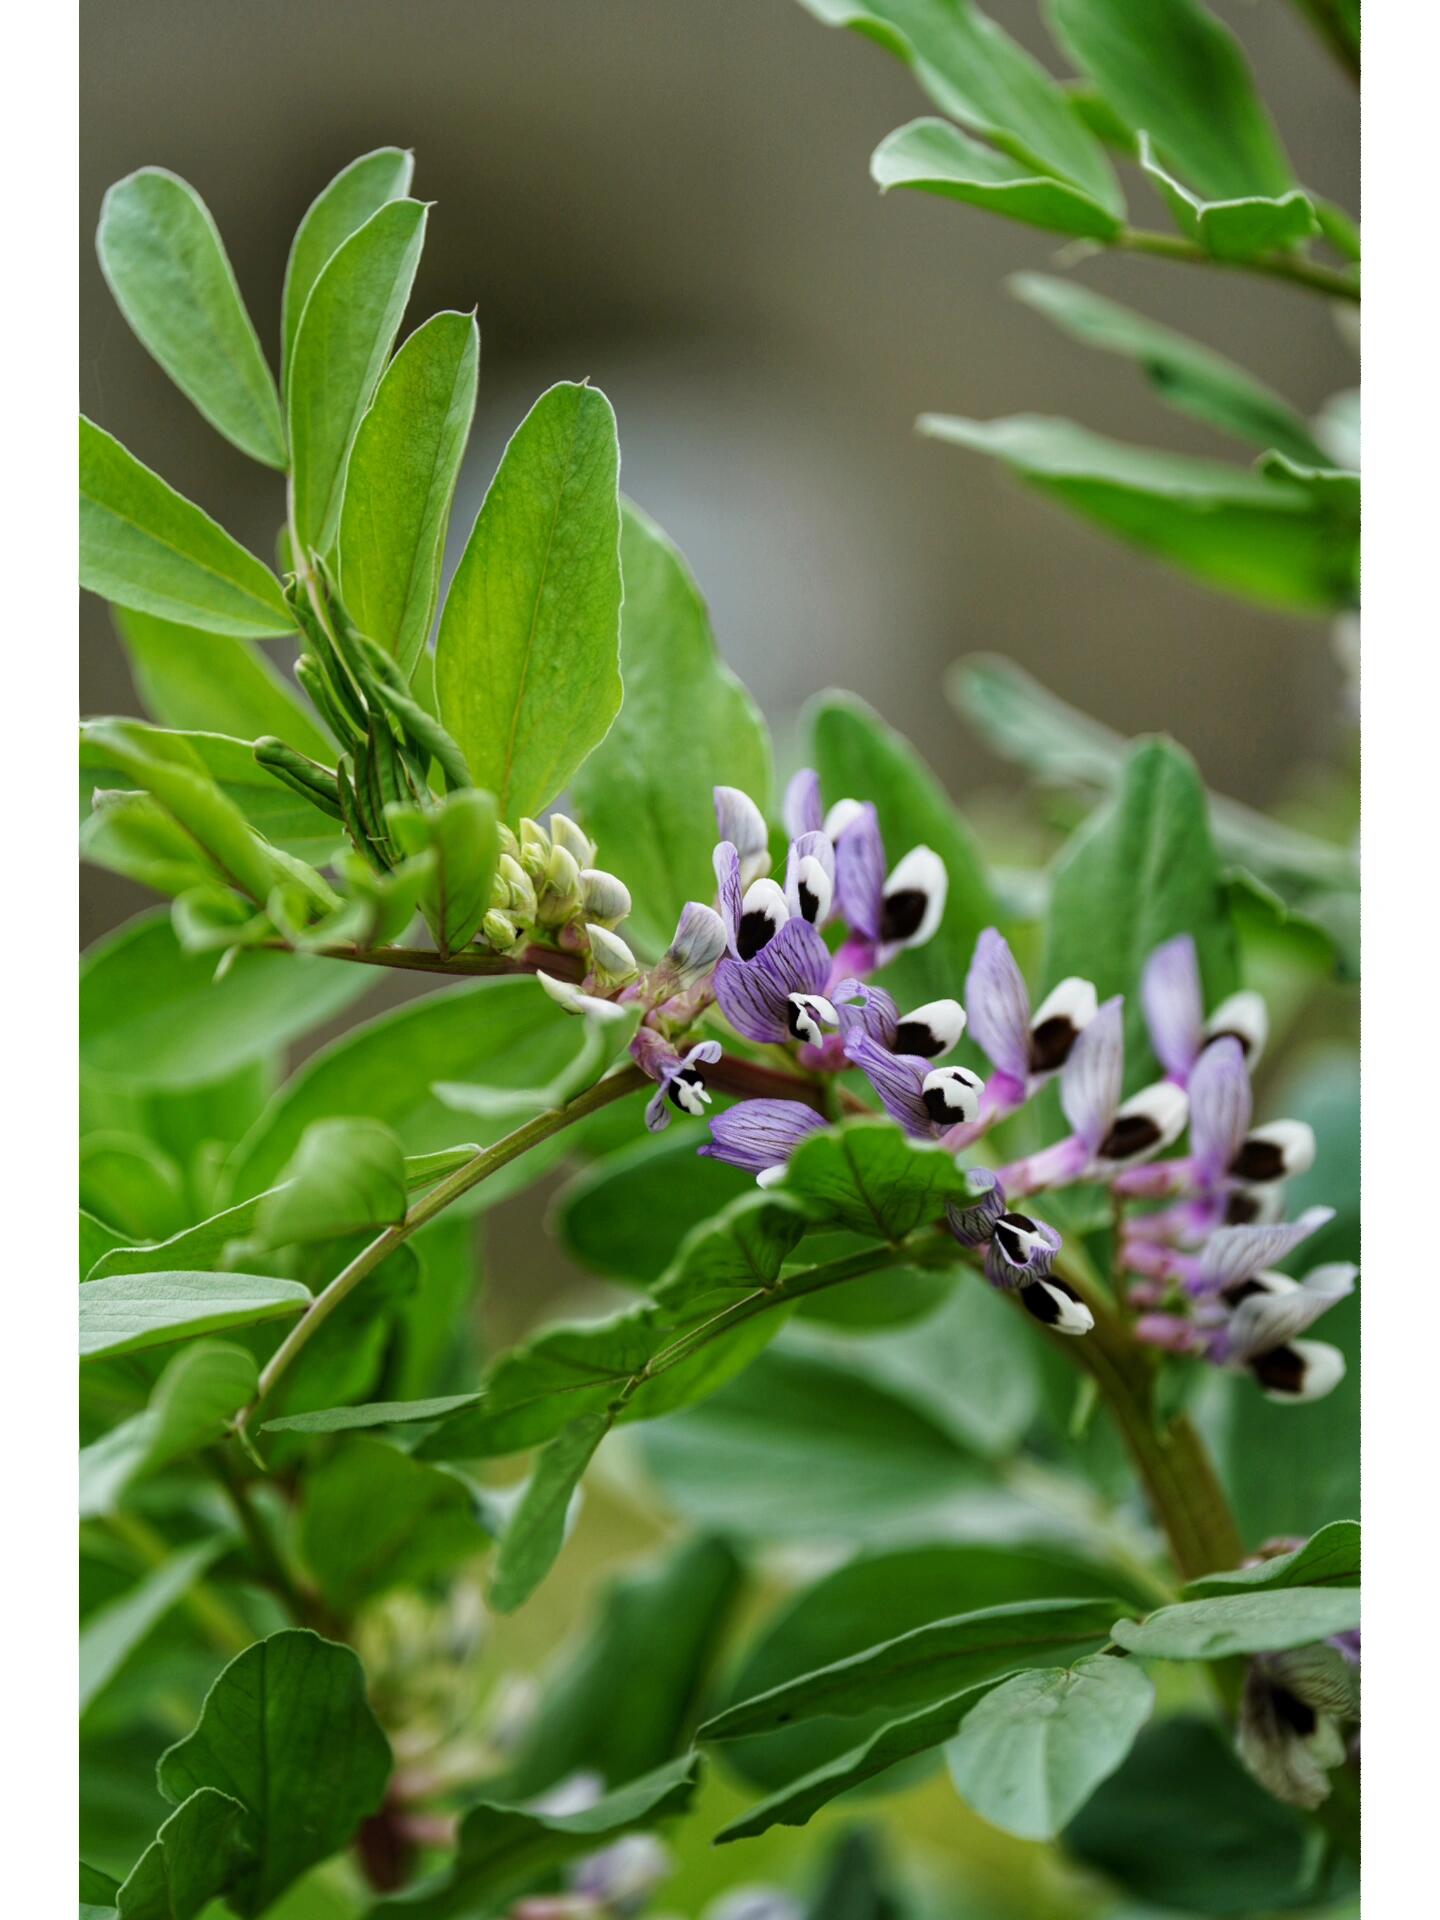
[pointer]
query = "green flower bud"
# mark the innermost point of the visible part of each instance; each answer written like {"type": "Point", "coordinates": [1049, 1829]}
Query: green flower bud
{"type": "Point", "coordinates": [576, 842]}
{"type": "Point", "coordinates": [614, 961]}
{"type": "Point", "coordinates": [606, 900]}
{"type": "Point", "coordinates": [514, 890]}
{"type": "Point", "coordinates": [534, 848]}
{"type": "Point", "coordinates": [500, 931]}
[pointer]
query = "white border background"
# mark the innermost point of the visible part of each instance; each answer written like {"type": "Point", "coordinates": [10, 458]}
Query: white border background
{"type": "Point", "coordinates": [1401, 934]}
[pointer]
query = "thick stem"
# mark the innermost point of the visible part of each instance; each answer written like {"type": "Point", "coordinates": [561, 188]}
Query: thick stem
{"type": "Point", "coordinates": [466, 965]}
{"type": "Point", "coordinates": [1334, 282]}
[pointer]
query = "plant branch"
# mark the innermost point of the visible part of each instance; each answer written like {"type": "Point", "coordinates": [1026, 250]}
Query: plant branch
{"type": "Point", "coordinates": [466, 965]}
{"type": "Point", "coordinates": [1335, 283]}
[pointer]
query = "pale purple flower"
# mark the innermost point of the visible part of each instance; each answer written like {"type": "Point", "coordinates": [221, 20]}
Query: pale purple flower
{"type": "Point", "coordinates": [804, 811]}
{"type": "Point", "coordinates": [741, 822]}
{"type": "Point", "coordinates": [759, 1136]}
{"type": "Point", "coordinates": [927, 1101]}
{"type": "Point", "coordinates": [1026, 1049]}
{"type": "Point", "coordinates": [810, 878]}
{"type": "Point", "coordinates": [1174, 1004]}
{"type": "Point", "coordinates": [752, 914]}
{"type": "Point", "coordinates": [779, 996]}
{"type": "Point", "coordinates": [679, 1078]}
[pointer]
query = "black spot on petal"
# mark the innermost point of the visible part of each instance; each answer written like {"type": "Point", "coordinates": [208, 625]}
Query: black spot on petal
{"type": "Point", "coordinates": [1292, 1712]}
{"type": "Point", "coordinates": [914, 1036]}
{"type": "Point", "coordinates": [809, 903]}
{"type": "Point", "coordinates": [1131, 1134]}
{"type": "Point", "coordinates": [1040, 1303]}
{"type": "Point", "coordinates": [902, 912]}
{"type": "Point", "coordinates": [1241, 1210]}
{"type": "Point", "coordinates": [756, 930]}
{"type": "Point", "coordinates": [1279, 1371]}
{"type": "Point", "coordinates": [1241, 1290]}
{"type": "Point", "coordinates": [1050, 1043]}
{"type": "Point", "coordinates": [1259, 1160]}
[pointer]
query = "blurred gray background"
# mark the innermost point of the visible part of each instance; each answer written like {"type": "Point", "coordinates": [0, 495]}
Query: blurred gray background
{"type": "Point", "coordinates": [671, 197]}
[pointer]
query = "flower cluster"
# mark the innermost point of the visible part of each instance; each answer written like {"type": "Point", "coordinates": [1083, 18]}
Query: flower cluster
{"type": "Point", "coordinates": [789, 963]}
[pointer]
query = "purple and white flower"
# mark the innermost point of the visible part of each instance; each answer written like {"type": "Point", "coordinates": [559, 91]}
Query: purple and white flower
{"type": "Point", "coordinates": [779, 995]}
{"type": "Point", "coordinates": [741, 822]}
{"type": "Point", "coordinates": [759, 1136]}
{"type": "Point", "coordinates": [1174, 1004]}
{"type": "Point", "coordinates": [679, 1078]}
{"type": "Point", "coordinates": [1026, 1048]}
{"type": "Point", "coordinates": [927, 1101]}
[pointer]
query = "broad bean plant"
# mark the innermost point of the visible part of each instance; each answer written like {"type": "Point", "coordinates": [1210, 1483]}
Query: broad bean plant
{"type": "Point", "coordinates": [949, 1428]}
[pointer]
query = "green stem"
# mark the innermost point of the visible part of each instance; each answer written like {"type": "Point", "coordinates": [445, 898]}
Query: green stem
{"type": "Point", "coordinates": [308, 1609]}
{"type": "Point", "coordinates": [1334, 282]}
{"type": "Point", "coordinates": [466, 965]}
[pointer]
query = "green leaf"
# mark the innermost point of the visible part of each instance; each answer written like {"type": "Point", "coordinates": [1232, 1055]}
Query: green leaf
{"type": "Point", "coordinates": [799, 1447]}
{"type": "Point", "coordinates": [97, 1889]}
{"type": "Point", "coordinates": [858, 754]}
{"type": "Point", "coordinates": [131, 834]}
{"type": "Point", "coordinates": [346, 1175]}
{"type": "Point", "coordinates": [1141, 870]}
{"type": "Point", "coordinates": [536, 1531]}
{"type": "Point", "coordinates": [504, 1848]}
{"type": "Point", "coordinates": [97, 1239]}
{"type": "Point", "coordinates": [906, 1588]}
{"type": "Point", "coordinates": [502, 1032]}
{"type": "Point", "coordinates": [928, 1664]}
{"type": "Point", "coordinates": [896, 1740]}
{"type": "Point", "coordinates": [527, 667]}
{"type": "Point", "coordinates": [1183, 1826]}
{"type": "Point", "coordinates": [869, 1176]}
{"type": "Point", "coordinates": [628, 1213]}
{"type": "Point", "coordinates": [401, 483]}
{"type": "Point", "coordinates": [110, 1634]}
{"type": "Point", "coordinates": [621, 1701]}
{"type": "Point", "coordinates": [743, 1247]}
{"type": "Point", "coordinates": [374, 1519]}
{"type": "Point", "coordinates": [1246, 228]}
{"type": "Point", "coordinates": [154, 1016]}
{"type": "Point", "coordinates": [191, 1406]}
{"type": "Point", "coordinates": [166, 265]}
{"type": "Point", "coordinates": [1031, 1753]}
{"type": "Point", "coordinates": [650, 806]}
{"type": "Point", "coordinates": [1330, 1558]}
{"type": "Point", "coordinates": [287, 1730]}
{"type": "Point", "coordinates": [1263, 539]}
{"type": "Point", "coordinates": [980, 77]}
{"type": "Point", "coordinates": [209, 683]}
{"type": "Point", "coordinates": [931, 156]}
{"type": "Point", "coordinates": [375, 1413]}
{"type": "Point", "coordinates": [355, 193]}
{"type": "Point", "coordinates": [132, 1182]}
{"type": "Point", "coordinates": [1190, 377]}
{"type": "Point", "coordinates": [145, 546]}
{"type": "Point", "coordinates": [1181, 77]}
{"type": "Point", "coordinates": [462, 833]}
{"type": "Point", "coordinates": [1266, 1621]}
{"type": "Point", "coordinates": [346, 331]}
{"type": "Point", "coordinates": [129, 1311]}
{"type": "Point", "coordinates": [191, 1859]}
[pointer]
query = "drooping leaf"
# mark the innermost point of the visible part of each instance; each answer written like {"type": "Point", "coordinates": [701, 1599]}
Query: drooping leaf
{"type": "Point", "coordinates": [463, 835]}
{"type": "Point", "coordinates": [1188, 376]}
{"type": "Point", "coordinates": [621, 1702]}
{"type": "Point", "coordinates": [686, 726]}
{"type": "Point", "coordinates": [1245, 1854]}
{"type": "Point", "coordinates": [110, 1634]}
{"type": "Point", "coordinates": [191, 1859]}
{"type": "Point", "coordinates": [502, 1032]}
{"type": "Point", "coordinates": [503, 1848]}
{"type": "Point", "coordinates": [347, 328]}
{"type": "Point", "coordinates": [1330, 1558]}
{"type": "Point", "coordinates": [213, 683]}
{"type": "Point", "coordinates": [527, 667]}
{"type": "Point", "coordinates": [167, 267]}
{"type": "Point", "coordinates": [928, 1664]}
{"type": "Point", "coordinates": [145, 546]}
{"type": "Point", "coordinates": [537, 1527]}
{"type": "Point", "coordinates": [1181, 77]}
{"type": "Point", "coordinates": [931, 156]}
{"type": "Point", "coordinates": [1264, 539]}
{"type": "Point", "coordinates": [355, 193]}
{"type": "Point", "coordinates": [1030, 1754]}
{"type": "Point", "coordinates": [346, 1174]}
{"type": "Point", "coordinates": [374, 1519]}
{"type": "Point", "coordinates": [191, 1406]}
{"type": "Point", "coordinates": [129, 1311]}
{"type": "Point", "coordinates": [154, 1016]}
{"type": "Point", "coordinates": [287, 1731]}
{"type": "Point", "coordinates": [401, 483]}
{"type": "Point", "coordinates": [1141, 870]}
{"type": "Point", "coordinates": [980, 77]}
{"type": "Point", "coordinates": [1263, 1621]}
{"type": "Point", "coordinates": [375, 1413]}
{"type": "Point", "coordinates": [904, 1588]}
{"type": "Point", "coordinates": [896, 1740]}
{"type": "Point", "coordinates": [858, 755]}
{"type": "Point", "coordinates": [1246, 228]}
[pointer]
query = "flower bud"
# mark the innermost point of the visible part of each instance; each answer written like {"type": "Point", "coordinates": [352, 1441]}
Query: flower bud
{"type": "Point", "coordinates": [500, 930]}
{"type": "Point", "coordinates": [578, 844]}
{"type": "Point", "coordinates": [605, 899]}
{"type": "Point", "coordinates": [534, 848]}
{"type": "Point", "coordinates": [613, 959]}
{"type": "Point", "coordinates": [518, 888]}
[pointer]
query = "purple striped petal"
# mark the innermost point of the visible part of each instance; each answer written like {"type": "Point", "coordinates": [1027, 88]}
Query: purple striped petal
{"type": "Point", "coordinates": [1174, 1005]}
{"type": "Point", "coordinates": [898, 1078]}
{"type": "Point", "coordinates": [1091, 1080]}
{"type": "Point", "coordinates": [860, 874]}
{"type": "Point", "coordinates": [973, 1222]}
{"type": "Point", "coordinates": [865, 1009]}
{"type": "Point", "coordinates": [730, 893]}
{"type": "Point", "coordinates": [751, 1000]}
{"type": "Point", "coordinates": [1220, 1107]}
{"type": "Point", "coordinates": [796, 959]}
{"type": "Point", "coordinates": [759, 1134]}
{"type": "Point", "coordinates": [998, 1005]}
{"type": "Point", "coordinates": [1232, 1254]}
{"type": "Point", "coordinates": [804, 812]}
{"type": "Point", "coordinates": [1271, 1319]}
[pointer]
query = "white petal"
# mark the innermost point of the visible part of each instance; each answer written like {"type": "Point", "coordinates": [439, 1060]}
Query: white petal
{"type": "Point", "coordinates": [840, 816]}
{"type": "Point", "coordinates": [1073, 999]}
{"type": "Point", "coordinates": [1246, 1016]}
{"type": "Point", "coordinates": [1277, 1151]}
{"type": "Point", "coordinates": [1323, 1368]}
{"type": "Point", "coordinates": [1165, 1106]}
{"type": "Point", "coordinates": [921, 871]}
{"type": "Point", "coordinates": [770, 1176]}
{"type": "Point", "coordinates": [942, 1020]}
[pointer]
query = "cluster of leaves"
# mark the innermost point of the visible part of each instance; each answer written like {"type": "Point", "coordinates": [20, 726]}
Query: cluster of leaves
{"type": "Point", "coordinates": [807, 1364]}
{"type": "Point", "coordinates": [1163, 87]}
